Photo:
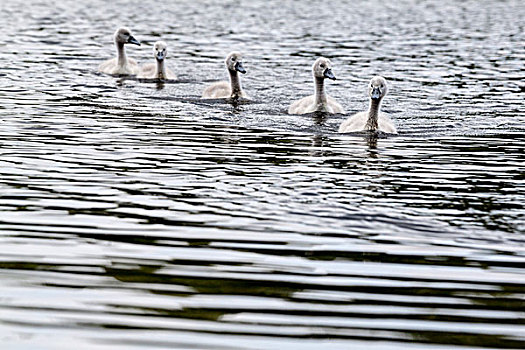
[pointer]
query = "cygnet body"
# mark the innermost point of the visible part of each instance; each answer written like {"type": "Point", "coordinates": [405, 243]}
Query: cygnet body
{"type": "Point", "coordinates": [319, 101]}
{"type": "Point", "coordinates": [373, 119]}
{"type": "Point", "coordinates": [157, 70]}
{"type": "Point", "coordinates": [231, 89]}
{"type": "Point", "coordinates": [121, 65]}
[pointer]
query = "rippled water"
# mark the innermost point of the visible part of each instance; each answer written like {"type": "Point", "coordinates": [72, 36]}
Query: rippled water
{"type": "Point", "coordinates": [135, 216]}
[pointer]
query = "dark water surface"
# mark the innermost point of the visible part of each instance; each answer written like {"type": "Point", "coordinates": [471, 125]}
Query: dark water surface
{"type": "Point", "coordinates": [135, 216]}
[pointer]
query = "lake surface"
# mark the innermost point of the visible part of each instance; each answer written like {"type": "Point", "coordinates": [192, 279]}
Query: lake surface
{"type": "Point", "coordinates": [134, 215]}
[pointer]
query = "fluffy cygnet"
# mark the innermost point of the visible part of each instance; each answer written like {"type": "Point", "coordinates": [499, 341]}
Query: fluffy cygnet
{"type": "Point", "coordinates": [157, 70]}
{"type": "Point", "coordinates": [121, 64]}
{"type": "Point", "coordinates": [372, 119]}
{"type": "Point", "coordinates": [319, 101]}
{"type": "Point", "coordinates": [232, 89]}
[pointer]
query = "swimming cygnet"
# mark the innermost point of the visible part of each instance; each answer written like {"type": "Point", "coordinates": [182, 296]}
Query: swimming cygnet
{"type": "Point", "coordinates": [157, 70]}
{"type": "Point", "coordinates": [232, 89]}
{"type": "Point", "coordinates": [372, 119]}
{"type": "Point", "coordinates": [121, 64]}
{"type": "Point", "coordinates": [319, 102]}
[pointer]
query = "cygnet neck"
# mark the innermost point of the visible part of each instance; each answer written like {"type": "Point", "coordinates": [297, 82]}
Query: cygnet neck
{"type": "Point", "coordinates": [320, 96]}
{"type": "Point", "coordinates": [235, 84]}
{"type": "Point", "coordinates": [373, 114]}
{"type": "Point", "coordinates": [121, 54]}
{"type": "Point", "coordinates": [160, 71]}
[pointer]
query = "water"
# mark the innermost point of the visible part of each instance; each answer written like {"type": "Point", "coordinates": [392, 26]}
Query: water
{"type": "Point", "coordinates": [135, 216]}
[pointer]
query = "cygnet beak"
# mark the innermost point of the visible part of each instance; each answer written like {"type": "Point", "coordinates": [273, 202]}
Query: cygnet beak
{"type": "Point", "coordinates": [240, 68]}
{"type": "Point", "coordinates": [329, 74]}
{"type": "Point", "coordinates": [132, 40]}
{"type": "Point", "coordinates": [376, 93]}
{"type": "Point", "coordinates": [160, 55]}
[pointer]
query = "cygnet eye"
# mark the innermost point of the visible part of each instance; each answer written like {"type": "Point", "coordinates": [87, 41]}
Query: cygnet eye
{"type": "Point", "coordinates": [322, 65]}
{"type": "Point", "coordinates": [233, 59]}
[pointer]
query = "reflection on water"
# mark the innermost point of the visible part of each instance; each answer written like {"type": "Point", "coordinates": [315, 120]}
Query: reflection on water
{"type": "Point", "coordinates": [135, 215]}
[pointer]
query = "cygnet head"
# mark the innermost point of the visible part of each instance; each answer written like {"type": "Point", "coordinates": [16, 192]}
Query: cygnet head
{"type": "Point", "coordinates": [322, 68]}
{"type": "Point", "coordinates": [234, 62]}
{"type": "Point", "coordinates": [160, 50]}
{"type": "Point", "coordinates": [123, 36]}
{"type": "Point", "coordinates": [378, 88]}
